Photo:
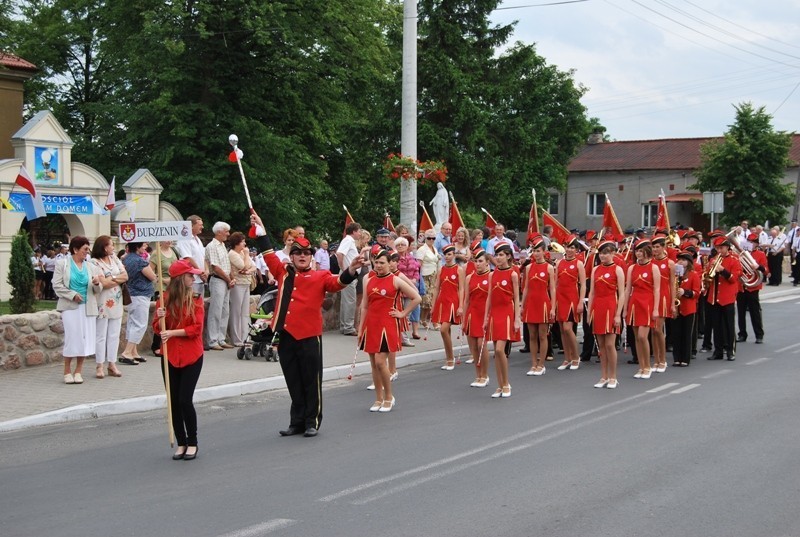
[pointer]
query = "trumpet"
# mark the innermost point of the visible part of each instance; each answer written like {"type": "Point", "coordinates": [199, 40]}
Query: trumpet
{"type": "Point", "coordinates": [678, 281]}
{"type": "Point", "coordinates": [709, 276]}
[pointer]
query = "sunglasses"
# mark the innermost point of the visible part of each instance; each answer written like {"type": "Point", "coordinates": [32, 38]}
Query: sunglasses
{"type": "Point", "coordinates": [301, 252]}
{"type": "Point", "coordinates": [430, 238]}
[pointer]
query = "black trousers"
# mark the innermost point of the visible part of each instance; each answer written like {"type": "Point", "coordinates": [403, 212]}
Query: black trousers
{"type": "Point", "coordinates": [795, 268]}
{"type": "Point", "coordinates": [724, 321]}
{"type": "Point", "coordinates": [182, 382]}
{"type": "Point", "coordinates": [682, 336]}
{"type": "Point", "coordinates": [748, 302]}
{"type": "Point", "coordinates": [588, 339]}
{"type": "Point", "coordinates": [301, 363]}
{"type": "Point", "coordinates": [775, 264]}
{"type": "Point", "coordinates": [708, 325]}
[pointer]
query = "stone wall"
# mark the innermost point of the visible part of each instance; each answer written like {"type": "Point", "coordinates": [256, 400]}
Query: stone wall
{"type": "Point", "coordinates": [33, 339]}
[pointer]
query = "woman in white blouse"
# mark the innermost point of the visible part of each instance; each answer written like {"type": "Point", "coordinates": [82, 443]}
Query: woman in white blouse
{"type": "Point", "coordinates": [242, 270]}
{"type": "Point", "coordinates": [429, 270]}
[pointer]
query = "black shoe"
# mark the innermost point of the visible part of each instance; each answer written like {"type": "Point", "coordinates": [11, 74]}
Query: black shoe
{"type": "Point", "coordinates": [311, 431]}
{"type": "Point", "coordinates": [715, 357]}
{"type": "Point", "coordinates": [524, 350]}
{"type": "Point", "coordinates": [127, 361]}
{"type": "Point", "coordinates": [179, 456]}
{"type": "Point", "coordinates": [705, 349]}
{"type": "Point", "coordinates": [669, 348]}
{"type": "Point", "coordinates": [291, 430]}
{"type": "Point", "coordinates": [759, 341]}
{"type": "Point", "coordinates": [584, 359]}
{"type": "Point", "coordinates": [731, 358]}
{"type": "Point", "coordinates": [633, 361]}
{"type": "Point", "coordinates": [741, 338]}
{"type": "Point", "coordinates": [192, 456]}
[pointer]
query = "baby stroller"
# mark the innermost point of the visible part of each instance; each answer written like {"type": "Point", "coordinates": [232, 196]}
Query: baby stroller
{"type": "Point", "coordinates": [260, 337]}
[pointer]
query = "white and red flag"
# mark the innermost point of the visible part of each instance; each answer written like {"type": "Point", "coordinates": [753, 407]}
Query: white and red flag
{"type": "Point", "coordinates": [35, 209]}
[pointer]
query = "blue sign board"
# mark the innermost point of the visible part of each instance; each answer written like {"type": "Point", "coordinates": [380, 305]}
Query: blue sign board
{"type": "Point", "coordinates": [59, 204]}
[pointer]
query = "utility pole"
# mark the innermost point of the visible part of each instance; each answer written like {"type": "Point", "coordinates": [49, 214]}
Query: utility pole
{"type": "Point", "coordinates": [408, 134]}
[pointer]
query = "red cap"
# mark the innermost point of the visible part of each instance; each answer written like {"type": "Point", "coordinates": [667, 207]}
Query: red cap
{"type": "Point", "coordinates": [181, 267]}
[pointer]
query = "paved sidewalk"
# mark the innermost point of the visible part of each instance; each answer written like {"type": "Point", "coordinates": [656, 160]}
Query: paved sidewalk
{"type": "Point", "coordinates": [38, 396]}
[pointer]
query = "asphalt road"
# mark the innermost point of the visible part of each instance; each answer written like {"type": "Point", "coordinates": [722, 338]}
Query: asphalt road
{"type": "Point", "coordinates": [708, 450]}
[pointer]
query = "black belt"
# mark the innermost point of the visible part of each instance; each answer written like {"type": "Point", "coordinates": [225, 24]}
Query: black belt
{"type": "Point", "coordinates": [217, 277]}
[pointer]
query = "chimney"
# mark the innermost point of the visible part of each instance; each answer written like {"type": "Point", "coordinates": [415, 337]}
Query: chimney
{"type": "Point", "coordinates": [595, 138]}
{"type": "Point", "coordinates": [14, 71]}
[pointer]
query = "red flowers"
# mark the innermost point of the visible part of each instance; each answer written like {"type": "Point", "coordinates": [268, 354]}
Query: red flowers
{"type": "Point", "coordinates": [398, 166]}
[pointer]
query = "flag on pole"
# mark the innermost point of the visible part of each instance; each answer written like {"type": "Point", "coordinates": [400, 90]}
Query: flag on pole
{"type": "Point", "coordinates": [662, 220]}
{"type": "Point", "coordinates": [6, 204]}
{"type": "Point", "coordinates": [119, 208]}
{"type": "Point", "coordinates": [456, 222]}
{"type": "Point", "coordinates": [560, 233]}
{"type": "Point", "coordinates": [425, 223]}
{"type": "Point", "coordinates": [490, 221]}
{"type": "Point", "coordinates": [533, 218]}
{"type": "Point", "coordinates": [610, 221]}
{"type": "Point", "coordinates": [111, 199]}
{"type": "Point", "coordinates": [235, 155]}
{"type": "Point", "coordinates": [35, 208]}
{"type": "Point", "coordinates": [348, 219]}
{"type": "Point", "coordinates": [387, 222]}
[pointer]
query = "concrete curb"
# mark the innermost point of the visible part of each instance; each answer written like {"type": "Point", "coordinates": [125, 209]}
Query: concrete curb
{"type": "Point", "coordinates": [212, 393]}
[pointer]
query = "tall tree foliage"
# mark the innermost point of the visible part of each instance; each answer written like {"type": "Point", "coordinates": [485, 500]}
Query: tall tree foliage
{"type": "Point", "coordinates": [748, 164]}
{"type": "Point", "coordinates": [503, 124]}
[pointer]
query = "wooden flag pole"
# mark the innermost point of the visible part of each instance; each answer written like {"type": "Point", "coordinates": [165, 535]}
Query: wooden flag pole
{"type": "Point", "coordinates": [165, 360]}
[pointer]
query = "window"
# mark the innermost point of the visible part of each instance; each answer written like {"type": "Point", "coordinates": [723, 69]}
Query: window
{"type": "Point", "coordinates": [649, 214]}
{"type": "Point", "coordinates": [595, 204]}
{"type": "Point", "coordinates": [553, 207]}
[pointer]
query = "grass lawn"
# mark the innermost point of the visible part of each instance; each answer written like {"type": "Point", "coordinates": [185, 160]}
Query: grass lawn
{"type": "Point", "coordinates": [41, 305]}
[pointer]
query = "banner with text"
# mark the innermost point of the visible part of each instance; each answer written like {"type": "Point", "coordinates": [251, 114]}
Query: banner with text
{"type": "Point", "coordinates": [155, 231]}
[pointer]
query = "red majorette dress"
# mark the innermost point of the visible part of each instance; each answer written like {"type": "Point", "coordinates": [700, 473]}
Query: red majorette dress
{"type": "Point", "coordinates": [536, 309]}
{"type": "Point", "coordinates": [604, 304]}
{"type": "Point", "coordinates": [381, 333]}
{"type": "Point", "coordinates": [403, 324]}
{"type": "Point", "coordinates": [665, 300]}
{"type": "Point", "coordinates": [478, 288]}
{"type": "Point", "coordinates": [567, 287]}
{"type": "Point", "coordinates": [640, 303]}
{"type": "Point", "coordinates": [501, 314]}
{"type": "Point", "coordinates": [444, 311]}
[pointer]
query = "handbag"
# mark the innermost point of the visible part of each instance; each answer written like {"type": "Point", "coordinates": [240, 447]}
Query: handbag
{"type": "Point", "coordinates": [253, 282]}
{"type": "Point", "coordinates": [126, 295]}
{"type": "Point", "coordinates": [421, 285]}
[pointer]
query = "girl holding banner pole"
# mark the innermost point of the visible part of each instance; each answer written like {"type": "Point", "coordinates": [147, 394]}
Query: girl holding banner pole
{"type": "Point", "coordinates": [179, 321]}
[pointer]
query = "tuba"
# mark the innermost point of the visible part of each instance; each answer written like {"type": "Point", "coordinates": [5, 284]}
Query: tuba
{"type": "Point", "coordinates": [751, 276]}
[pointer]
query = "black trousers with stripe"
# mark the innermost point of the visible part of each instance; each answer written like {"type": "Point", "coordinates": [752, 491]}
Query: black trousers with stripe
{"type": "Point", "coordinates": [301, 363]}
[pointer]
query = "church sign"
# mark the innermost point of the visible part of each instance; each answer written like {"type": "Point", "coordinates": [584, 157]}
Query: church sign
{"type": "Point", "coordinates": [155, 231]}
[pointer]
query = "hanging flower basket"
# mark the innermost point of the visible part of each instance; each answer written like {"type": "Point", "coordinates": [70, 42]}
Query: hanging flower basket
{"type": "Point", "coordinates": [398, 166]}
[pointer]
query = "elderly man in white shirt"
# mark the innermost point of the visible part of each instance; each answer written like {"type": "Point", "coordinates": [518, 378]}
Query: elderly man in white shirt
{"type": "Point", "coordinates": [219, 286]}
{"type": "Point", "coordinates": [347, 251]}
{"type": "Point", "coordinates": [322, 257]}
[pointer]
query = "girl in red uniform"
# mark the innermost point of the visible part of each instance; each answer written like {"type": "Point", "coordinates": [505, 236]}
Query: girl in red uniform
{"type": "Point", "coordinates": [570, 291]}
{"type": "Point", "coordinates": [182, 313]}
{"type": "Point", "coordinates": [666, 268]}
{"type": "Point", "coordinates": [378, 332]}
{"type": "Point", "coordinates": [448, 302]}
{"type": "Point", "coordinates": [477, 286]}
{"type": "Point", "coordinates": [605, 308]}
{"type": "Point", "coordinates": [402, 324]}
{"type": "Point", "coordinates": [683, 322]}
{"type": "Point", "coordinates": [642, 292]}
{"type": "Point", "coordinates": [538, 306]}
{"type": "Point", "coordinates": [501, 320]}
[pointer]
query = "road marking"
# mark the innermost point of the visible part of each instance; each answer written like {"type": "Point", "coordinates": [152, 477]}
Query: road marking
{"type": "Point", "coordinates": [782, 292]}
{"type": "Point", "coordinates": [717, 373]}
{"type": "Point", "coordinates": [685, 388]}
{"type": "Point", "coordinates": [787, 348]}
{"type": "Point", "coordinates": [666, 386]}
{"type": "Point", "coordinates": [758, 361]}
{"type": "Point", "coordinates": [262, 529]}
{"type": "Point", "coordinates": [473, 452]}
{"type": "Point", "coordinates": [778, 299]}
{"type": "Point", "coordinates": [509, 451]}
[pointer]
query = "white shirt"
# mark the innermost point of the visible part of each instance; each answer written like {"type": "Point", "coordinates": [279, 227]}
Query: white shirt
{"type": "Point", "coordinates": [791, 237]}
{"type": "Point", "coordinates": [323, 259]}
{"type": "Point", "coordinates": [348, 250]}
{"type": "Point", "coordinates": [260, 264]}
{"type": "Point", "coordinates": [194, 249]}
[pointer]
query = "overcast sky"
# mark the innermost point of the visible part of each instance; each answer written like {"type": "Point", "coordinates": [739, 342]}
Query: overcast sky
{"type": "Point", "coordinates": [671, 68]}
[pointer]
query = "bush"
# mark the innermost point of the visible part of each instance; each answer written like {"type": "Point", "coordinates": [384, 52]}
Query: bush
{"type": "Point", "coordinates": [21, 277]}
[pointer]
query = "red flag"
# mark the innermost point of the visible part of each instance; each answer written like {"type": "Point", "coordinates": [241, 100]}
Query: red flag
{"type": "Point", "coordinates": [610, 221]}
{"type": "Point", "coordinates": [111, 199]}
{"type": "Point", "coordinates": [533, 218]}
{"type": "Point", "coordinates": [662, 220]}
{"type": "Point", "coordinates": [456, 222]}
{"type": "Point", "coordinates": [348, 219]}
{"type": "Point", "coordinates": [235, 155]}
{"type": "Point", "coordinates": [425, 223]}
{"type": "Point", "coordinates": [36, 208]}
{"type": "Point", "coordinates": [491, 223]}
{"type": "Point", "coordinates": [560, 233]}
{"type": "Point", "coordinates": [387, 222]}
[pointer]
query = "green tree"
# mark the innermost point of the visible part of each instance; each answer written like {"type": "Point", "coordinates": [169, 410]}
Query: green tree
{"type": "Point", "coordinates": [21, 277]}
{"type": "Point", "coordinates": [502, 123]}
{"type": "Point", "coordinates": [748, 165]}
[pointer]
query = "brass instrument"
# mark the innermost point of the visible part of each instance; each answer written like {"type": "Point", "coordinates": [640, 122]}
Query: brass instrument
{"type": "Point", "coordinates": [751, 276]}
{"type": "Point", "coordinates": [556, 248]}
{"type": "Point", "coordinates": [709, 276]}
{"type": "Point", "coordinates": [673, 239]}
{"type": "Point", "coordinates": [678, 281]}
